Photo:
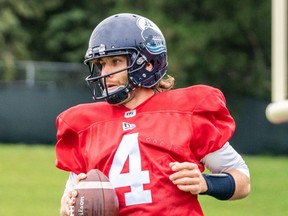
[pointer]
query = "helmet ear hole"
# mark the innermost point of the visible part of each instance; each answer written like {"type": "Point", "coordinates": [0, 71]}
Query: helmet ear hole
{"type": "Point", "coordinates": [149, 66]}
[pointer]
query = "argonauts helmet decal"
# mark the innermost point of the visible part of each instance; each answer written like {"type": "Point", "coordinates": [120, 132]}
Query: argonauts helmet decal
{"type": "Point", "coordinates": [152, 36]}
{"type": "Point", "coordinates": [131, 35]}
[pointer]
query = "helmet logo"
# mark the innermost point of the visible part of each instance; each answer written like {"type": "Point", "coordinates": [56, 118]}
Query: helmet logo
{"type": "Point", "coordinates": [153, 39]}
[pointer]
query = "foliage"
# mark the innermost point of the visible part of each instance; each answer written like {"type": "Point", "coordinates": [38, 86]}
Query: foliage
{"type": "Point", "coordinates": [14, 36]}
{"type": "Point", "coordinates": [66, 30]}
{"type": "Point", "coordinates": [226, 45]}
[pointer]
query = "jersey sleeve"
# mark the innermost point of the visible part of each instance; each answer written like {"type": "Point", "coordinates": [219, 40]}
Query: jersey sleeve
{"type": "Point", "coordinates": [68, 152]}
{"type": "Point", "coordinates": [212, 123]}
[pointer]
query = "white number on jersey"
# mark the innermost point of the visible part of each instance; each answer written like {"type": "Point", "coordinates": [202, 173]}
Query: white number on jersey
{"type": "Point", "coordinates": [129, 149]}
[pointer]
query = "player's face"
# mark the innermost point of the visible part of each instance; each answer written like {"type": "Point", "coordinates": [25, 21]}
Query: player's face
{"type": "Point", "coordinates": [108, 65]}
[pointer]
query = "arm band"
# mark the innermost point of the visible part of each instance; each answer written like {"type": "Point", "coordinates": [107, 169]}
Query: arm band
{"type": "Point", "coordinates": [221, 186]}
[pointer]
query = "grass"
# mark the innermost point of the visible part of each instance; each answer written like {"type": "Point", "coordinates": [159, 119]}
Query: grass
{"type": "Point", "coordinates": [268, 191]}
{"type": "Point", "coordinates": [31, 185]}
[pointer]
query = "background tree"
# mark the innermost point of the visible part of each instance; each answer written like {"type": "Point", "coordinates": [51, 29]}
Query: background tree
{"type": "Point", "coordinates": [14, 35]}
{"type": "Point", "coordinates": [224, 43]}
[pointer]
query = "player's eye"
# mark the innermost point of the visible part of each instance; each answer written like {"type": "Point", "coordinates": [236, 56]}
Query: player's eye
{"type": "Point", "coordinates": [116, 61]}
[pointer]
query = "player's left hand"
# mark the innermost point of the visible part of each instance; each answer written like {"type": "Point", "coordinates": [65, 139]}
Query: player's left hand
{"type": "Point", "coordinates": [187, 177]}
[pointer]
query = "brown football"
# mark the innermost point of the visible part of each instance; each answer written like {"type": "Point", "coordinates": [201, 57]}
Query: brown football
{"type": "Point", "coordinates": [96, 196]}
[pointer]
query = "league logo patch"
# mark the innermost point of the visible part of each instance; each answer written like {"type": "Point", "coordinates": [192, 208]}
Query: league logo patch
{"type": "Point", "coordinates": [127, 126]}
{"type": "Point", "coordinates": [130, 114]}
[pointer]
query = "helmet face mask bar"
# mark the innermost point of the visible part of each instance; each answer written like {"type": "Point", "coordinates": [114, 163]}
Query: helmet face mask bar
{"type": "Point", "coordinates": [140, 41]}
{"type": "Point", "coordinates": [97, 82]}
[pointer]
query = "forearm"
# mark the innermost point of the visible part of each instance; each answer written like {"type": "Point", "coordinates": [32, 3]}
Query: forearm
{"type": "Point", "coordinates": [227, 160]}
{"type": "Point", "coordinates": [63, 207]}
{"type": "Point", "coordinates": [242, 184]}
{"type": "Point", "coordinates": [230, 185]}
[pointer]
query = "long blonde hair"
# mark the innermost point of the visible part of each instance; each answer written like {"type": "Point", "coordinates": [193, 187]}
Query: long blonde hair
{"type": "Point", "coordinates": [165, 84]}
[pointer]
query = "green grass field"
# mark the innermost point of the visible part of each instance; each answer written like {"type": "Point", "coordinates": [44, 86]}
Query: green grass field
{"type": "Point", "coordinates": [31, 185]}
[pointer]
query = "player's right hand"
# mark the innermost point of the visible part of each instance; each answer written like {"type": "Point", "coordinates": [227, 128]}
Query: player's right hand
{"type": "Point", "coordinates": [68, 200]}
{"type": "Point", "coordinates": [187, 177]}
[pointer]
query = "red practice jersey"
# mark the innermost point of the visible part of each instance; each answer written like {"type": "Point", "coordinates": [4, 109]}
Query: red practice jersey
{"type": "Point", "coordinates": [134, 147]}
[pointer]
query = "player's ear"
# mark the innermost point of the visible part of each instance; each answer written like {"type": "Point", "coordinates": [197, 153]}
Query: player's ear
{"type": "Point", "coordinates": [149, 66]}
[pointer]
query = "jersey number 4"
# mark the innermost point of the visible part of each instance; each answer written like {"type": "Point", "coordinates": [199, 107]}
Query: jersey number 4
{"type": "Point", "coordinates": [136, 177]}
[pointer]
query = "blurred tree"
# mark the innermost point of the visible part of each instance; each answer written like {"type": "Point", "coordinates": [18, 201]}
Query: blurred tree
{"type": "Point", "coordinates": [226, 45]}
{"type": "Point", "coordinates": [14, 37]}
{"type": "Point", "coordinates": [66, 30]}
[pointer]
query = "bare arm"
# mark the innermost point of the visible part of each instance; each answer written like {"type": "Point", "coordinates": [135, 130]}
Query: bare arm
{"type": "Point", "coordinates": [188, 177]}
{"type": "Point", "coordinates": [242, 183]}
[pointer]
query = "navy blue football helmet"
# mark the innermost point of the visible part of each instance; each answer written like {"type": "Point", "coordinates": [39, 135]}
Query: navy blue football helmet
{"type": "Point", "coordinates": [131, 35]}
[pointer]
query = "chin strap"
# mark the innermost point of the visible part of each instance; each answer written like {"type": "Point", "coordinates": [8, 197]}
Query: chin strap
{"type": "Point", "coordinates": [120, 96]}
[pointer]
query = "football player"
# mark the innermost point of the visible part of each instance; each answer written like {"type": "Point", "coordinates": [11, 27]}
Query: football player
{"type": "Point", "coordinates": [152, 141]}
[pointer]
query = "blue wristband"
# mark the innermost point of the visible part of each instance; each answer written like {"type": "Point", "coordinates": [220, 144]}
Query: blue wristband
{"type": "Point", "coordinates": [221, 186]}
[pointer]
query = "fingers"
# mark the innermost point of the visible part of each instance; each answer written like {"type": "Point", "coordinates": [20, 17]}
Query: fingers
{"type": "Point", "coordinates": [69, 199]}
{"type": "Point", "coordinates": [192, 188]}
{"type": "Point", "coordinates": [80, 177]}
{"type": "Point", "coordinates": [176, 166]}
{"type": "Point", "coordinates": [186, 176]}
{"type": "Point", "coordinates": [184, 172]}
